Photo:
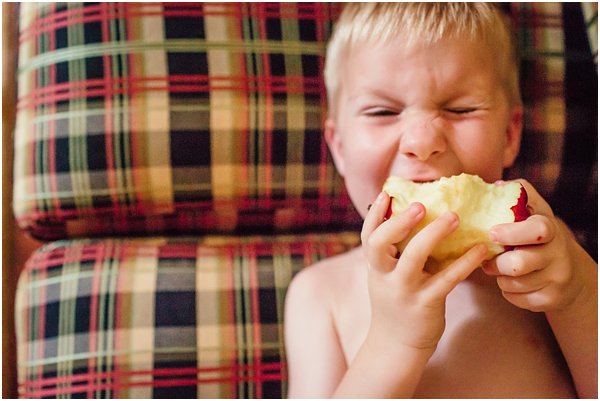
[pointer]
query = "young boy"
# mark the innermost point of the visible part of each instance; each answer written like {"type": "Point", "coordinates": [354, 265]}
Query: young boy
{"type": "Point", "coordinates": [424, 91]}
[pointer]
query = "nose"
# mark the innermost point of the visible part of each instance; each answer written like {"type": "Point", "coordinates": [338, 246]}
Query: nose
{"type": "Point", "coordinates": [422, 137]}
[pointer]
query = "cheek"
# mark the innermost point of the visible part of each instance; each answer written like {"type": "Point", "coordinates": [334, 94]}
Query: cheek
{"type": "Point", "coordinates": [481, 154]}
{"type": "Point", "coordinates": [366, 171]}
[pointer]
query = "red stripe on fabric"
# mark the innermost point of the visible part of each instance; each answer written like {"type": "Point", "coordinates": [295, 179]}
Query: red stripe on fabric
{"type": "Point", "coordinates": [108, 105]}
{"type": "Point", "coordinates": [255, 311]}
{"type": "Point", "coordinates": [268, 102]}
{"type": "Point", "coordinates": [185, 216]}
{"type": "Point", "coordinates": [94, 301]}
{"type": "Point", "coordinates": [323, 166]}
{"type": "Point", "coordinates": [124, 379]}
{"type": "Point", "coordinates": [95, 13]}
{"type": "Point", "coordinates": [120, 313]}
{"type": "Point", "coordinates": [51, 143]}
{"type": "Point", "coordinates": [92, 253]}
{"type": "Point", "coordinates": [112, 86]}
{"type": "Point", "coordinates": [244, 113]}
{"type": "Point", "coordinates": [231, 313]}
{"type": "Point", "coordinates": [195, 208]}
{"type": "Point", "coordinates": [41, 328]}
{"type": "Point", "coordinates": [177, 251]}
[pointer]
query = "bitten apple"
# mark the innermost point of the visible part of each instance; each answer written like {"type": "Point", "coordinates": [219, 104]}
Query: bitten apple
{"type": "Point", "coordinates": [479, 205]}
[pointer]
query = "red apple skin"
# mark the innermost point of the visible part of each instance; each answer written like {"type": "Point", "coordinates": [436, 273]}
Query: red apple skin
{"type": "Point", "coordinates": [388, 214]}
{"type": "Point", "coordinates": [520, 211]}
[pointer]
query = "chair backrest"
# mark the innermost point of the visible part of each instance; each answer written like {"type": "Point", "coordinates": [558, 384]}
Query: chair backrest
{"type": "Point", "coordinates": [137, 118]}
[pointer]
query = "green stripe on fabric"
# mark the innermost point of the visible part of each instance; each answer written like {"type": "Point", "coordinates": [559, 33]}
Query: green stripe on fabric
{"type": "Point", "coordinates": [111, 353]}
{"type": "Point", "coordinates": [174, 45]}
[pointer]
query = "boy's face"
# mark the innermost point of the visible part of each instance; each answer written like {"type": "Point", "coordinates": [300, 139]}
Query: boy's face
{"type": "Point", "coordinates": [421, 114]}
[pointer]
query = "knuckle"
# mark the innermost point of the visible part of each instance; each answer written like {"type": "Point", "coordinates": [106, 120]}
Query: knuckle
{"type": "Point", "coordinates": [516, 265]}
{"type": "Point", "coordinates": [544, 229]}
{"type": "Point", "coordinates": [373, 242]}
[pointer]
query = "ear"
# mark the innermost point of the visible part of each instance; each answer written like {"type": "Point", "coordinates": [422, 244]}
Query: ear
{"type": "Point", "coordinates": [513, 136]}
{"type": "Point", "coordinates": [334, 141]}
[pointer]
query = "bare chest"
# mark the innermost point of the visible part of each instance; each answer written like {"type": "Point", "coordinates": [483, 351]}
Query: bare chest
{"type": "Point", "coordinates": [489, 349]}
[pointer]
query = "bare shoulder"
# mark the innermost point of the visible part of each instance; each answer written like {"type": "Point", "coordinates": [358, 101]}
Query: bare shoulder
{"type": "Point", "coordinates": [322, 281]}
{"type": "Point", "coordinates": [315, 357]}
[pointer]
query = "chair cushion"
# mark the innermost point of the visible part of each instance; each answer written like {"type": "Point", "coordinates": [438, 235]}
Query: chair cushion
{"type": "Point", "coordinates": [160, 318]}
{"type": "Point", "coordinates": [137, 118]}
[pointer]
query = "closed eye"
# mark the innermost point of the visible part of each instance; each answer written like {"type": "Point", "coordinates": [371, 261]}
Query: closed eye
{"type": "Point", "coordinates": [465, 110]}
{"type": "Point", "coordinates": [381, 113]}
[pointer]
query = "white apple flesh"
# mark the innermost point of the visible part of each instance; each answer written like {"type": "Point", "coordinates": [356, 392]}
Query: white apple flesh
{"type": "Point", "coordinates": [479, 205]}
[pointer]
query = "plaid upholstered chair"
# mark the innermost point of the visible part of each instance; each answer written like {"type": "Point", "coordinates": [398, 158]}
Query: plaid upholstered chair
{"type": "Point", "coordinates": [171, 157]}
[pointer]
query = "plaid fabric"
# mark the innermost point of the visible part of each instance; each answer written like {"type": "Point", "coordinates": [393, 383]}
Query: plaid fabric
{"type": "Point", "coordinates": [141, 118]}
{"type": "Point", "coordinates": [559, 84]}
{"type": "Point", "coordinates": [178, 118]}
{"type": "Point", "coordinates": [157, 318]}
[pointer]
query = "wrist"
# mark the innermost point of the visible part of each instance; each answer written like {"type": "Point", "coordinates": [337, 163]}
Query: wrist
{"type": "Point", "coordinates": [393, 355]}
{"type": "Point", "coordinates": [384, 370]}
{"type": "Point", "coordinates": [585, 299]}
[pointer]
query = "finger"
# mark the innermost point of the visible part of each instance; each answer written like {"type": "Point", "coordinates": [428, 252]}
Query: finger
{"type": "Point", "coordinates": [375, 215]}
{"type": "Point", "coordinates": [537, 229]}
{"type": "Point", "coordinates": [535, 201]}
{"type": "Point", "coordinates": [535, 301]}
{"type": "Point", "coordinates": [379, 244]}
{"type": "Point", "coordinates": [442, 283]}
{"type": "Point", "coordinates": [516, 263]}
{"type": "Point", "coordinates": [534, 281]}
{"type": "Point", "coordinates": [419, 248]}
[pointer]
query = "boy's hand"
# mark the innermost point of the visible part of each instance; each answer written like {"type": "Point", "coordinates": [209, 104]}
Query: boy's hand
{"type": "Point", "coordinates": [407, 303]}
{"type": "Point", "coordinates": [544, 271]}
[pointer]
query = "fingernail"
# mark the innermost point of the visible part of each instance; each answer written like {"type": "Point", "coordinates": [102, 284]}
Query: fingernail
{"type": "Point", "coordinates": [493, 236]}
{"type": "Point", "coordinates": [482, 249]}
{"type": "Point", "coordinates": [415, 209]}
{"type": "Point", "coordinates": [451, 216]}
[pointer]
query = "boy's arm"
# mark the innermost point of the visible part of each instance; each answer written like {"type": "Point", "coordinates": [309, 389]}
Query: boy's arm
{"type": "Point", "coordinates": [316, 363]}
{"type": "Point", "coordinates": [314, 356]}
{"type": "Point", "coordinates": [576, 328]}
{"type": "Point", "coordinates": [548, 271]}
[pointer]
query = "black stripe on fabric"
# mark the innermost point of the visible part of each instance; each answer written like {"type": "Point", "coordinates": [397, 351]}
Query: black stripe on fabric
{"type": "Point", "coordinates": [273, 28]}
{"type": "Point", "coordinates": [52, 316]}
{"type": "Point", "coordinates": [175, 308]}
{"type": "Point", "coordinates": [181, 27]}
{"type": "Point", "coordinates": [61, 38]}
{"type": "Point", "coordinates": [190, 148]}
{"type": "Point", "coordinates": [92, 32]}
{"type": "Point", "coordinates": [308, 30]}
{"type": "Point", "coordinates": [311, 66]}
{"type": "Point", "coordinates": [581, 133]}
{"type": "Point", "coordinates": [277, 64]}
{"type": "Point", "coordinates": [279, 147]}
{"type": "Point", "coordinates": [63, 156]}
{"type": "Point", "coordinates": [188, 63]}
{"type": "Point", "coordinates": [96, 152]}
{"type": "Point", "coordinates": [94, 67]}
{"type": "Point", "coordinates": [312, 146]}
{"type": "Point", "coordinates": [62, 72]}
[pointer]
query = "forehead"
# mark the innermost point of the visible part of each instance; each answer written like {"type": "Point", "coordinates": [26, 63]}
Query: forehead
{"type": "Point", "coordinates": [447, 61]}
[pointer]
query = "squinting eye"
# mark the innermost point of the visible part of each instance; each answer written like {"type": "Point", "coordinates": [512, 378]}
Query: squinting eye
{"type": "Point", "coordinates": [381, 113]}
{"type": "Point", "coordinates": [462, 110]}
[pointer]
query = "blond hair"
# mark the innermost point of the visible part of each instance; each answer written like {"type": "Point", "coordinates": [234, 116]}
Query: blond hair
{"type": "Point", "coordinates": [421, 24]}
